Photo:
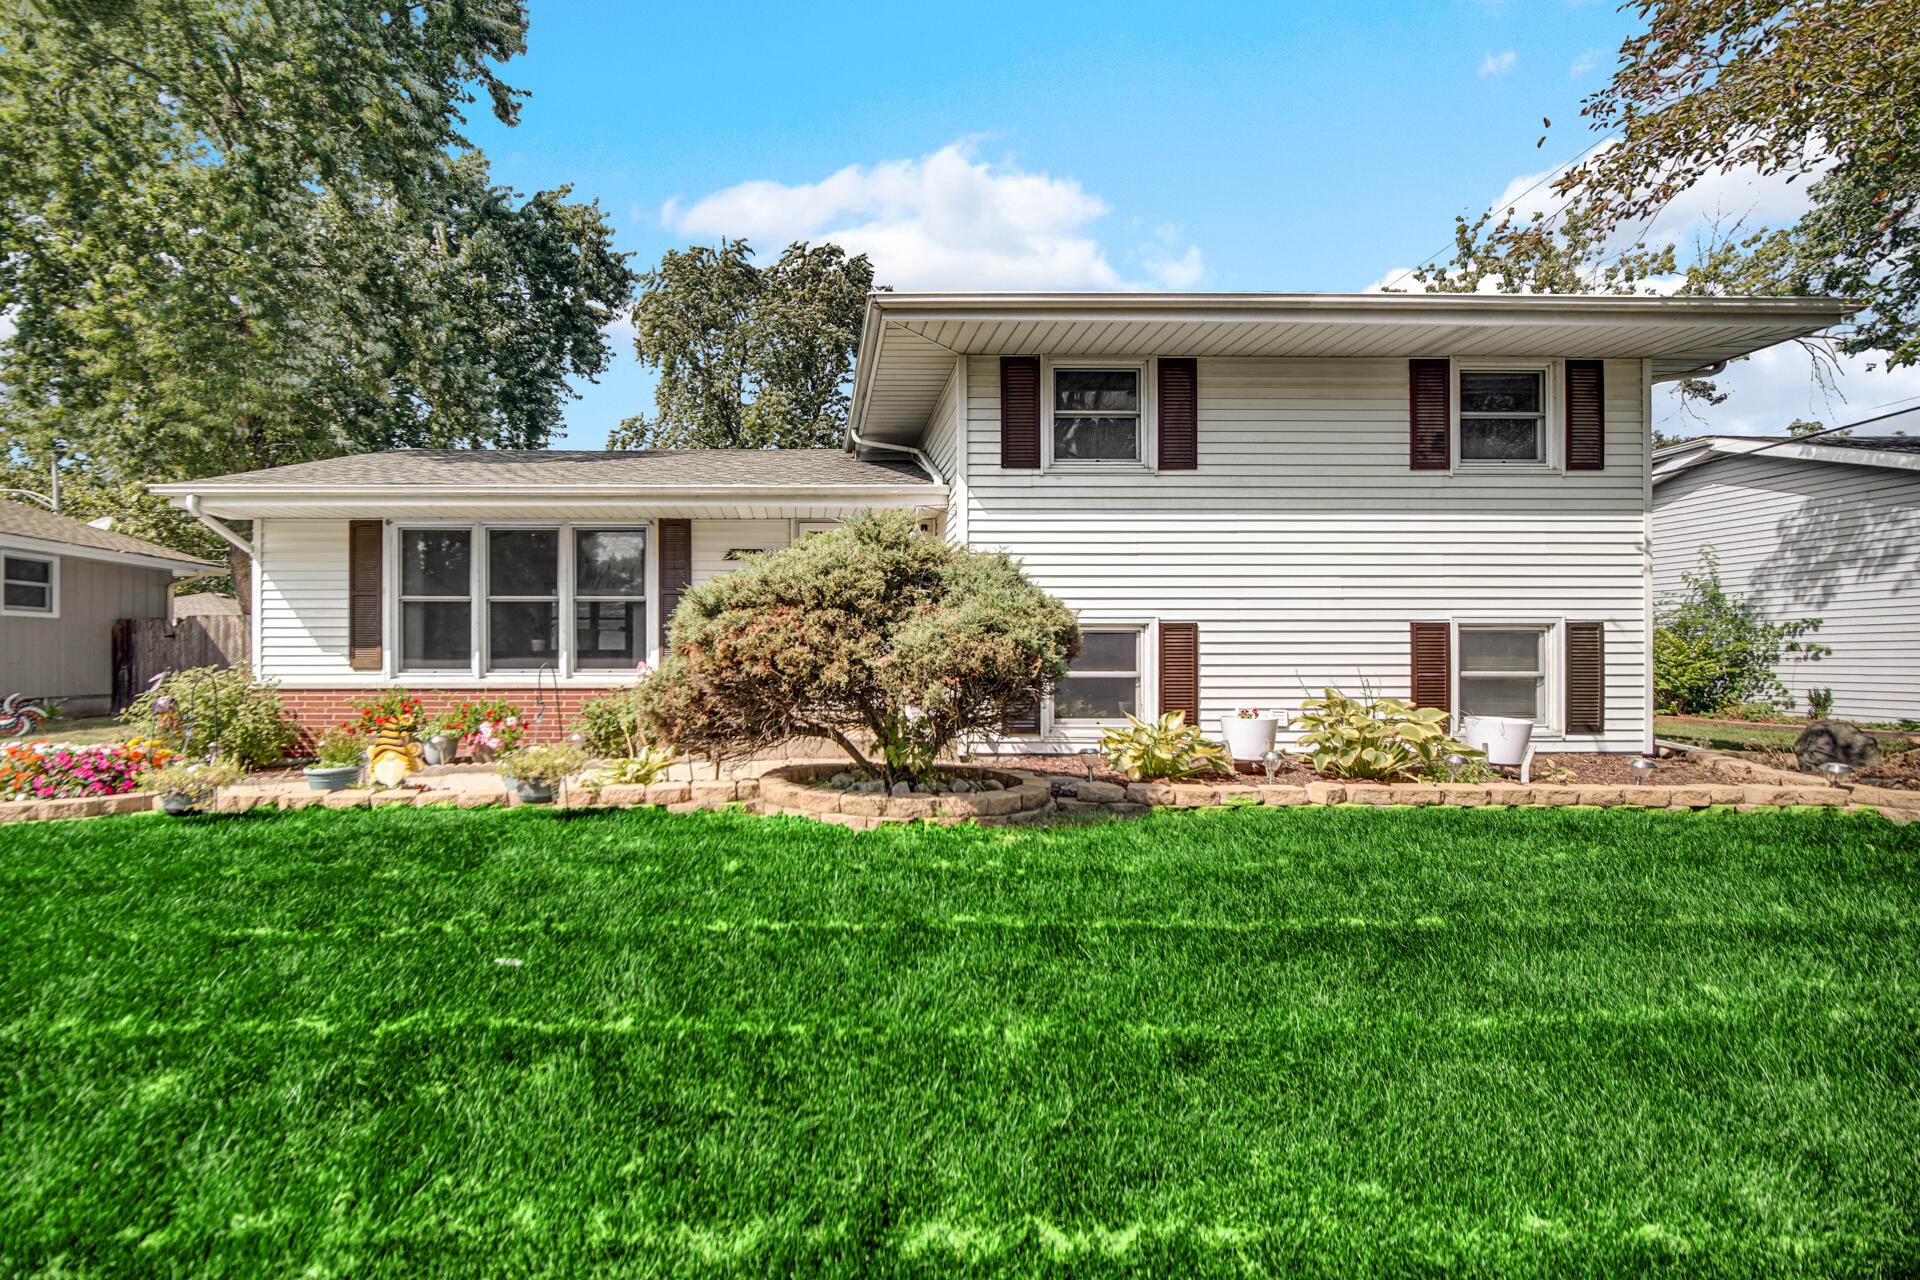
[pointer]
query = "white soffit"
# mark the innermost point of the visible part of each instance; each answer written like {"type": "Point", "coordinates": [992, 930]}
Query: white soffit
{"type": "Point", "coordinates": [911, 340]}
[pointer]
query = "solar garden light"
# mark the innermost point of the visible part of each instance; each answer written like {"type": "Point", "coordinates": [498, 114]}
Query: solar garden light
{"type": "Point", "coordinates": [1837, 773]}
{"type": "Point", "coordinates": [1642, 770]}
{"type": "Point", "coordinates": [1271, 763]}
{"type": "Point", "coordinates": [1455, 763]}
{"type": "Point", "coordinates": [1086, 762]}
{"type": "Point", "coordinates": [577, 738]}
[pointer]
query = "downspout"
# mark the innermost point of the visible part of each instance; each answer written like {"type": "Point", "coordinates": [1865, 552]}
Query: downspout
{"type": "Point", "coordinates": [926, 464]}
{"type": "Point", "coordinates": [192, 505]}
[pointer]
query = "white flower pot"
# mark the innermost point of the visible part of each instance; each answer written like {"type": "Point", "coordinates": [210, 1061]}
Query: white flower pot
{"type": "Point", "coordinates": [1248, 739]}
{"type": "Point", "coordinates": [1505, 741]}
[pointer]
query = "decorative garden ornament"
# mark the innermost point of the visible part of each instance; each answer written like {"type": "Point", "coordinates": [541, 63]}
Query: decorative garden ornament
{"type": "Point", "coordinates": [395, 752]}
{"type": "Point", "coordinates": [21, 715]}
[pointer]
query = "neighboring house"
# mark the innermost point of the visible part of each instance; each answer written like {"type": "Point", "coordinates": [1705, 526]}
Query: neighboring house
{"type": "Point", "coordinates": [1827, 527]}
{"type": "Point", "coordinates": [1246, 497]}
{"type": "Point", "coordinates": [65, 585]}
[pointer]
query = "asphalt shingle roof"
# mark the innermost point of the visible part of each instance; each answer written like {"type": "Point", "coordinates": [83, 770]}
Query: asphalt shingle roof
{"type": "Point", "coordinates": [495, 468]}
{"type": "Point", "coordinates": [22, 520]}
{"type": "Point", "coordinates": [1883, 444]}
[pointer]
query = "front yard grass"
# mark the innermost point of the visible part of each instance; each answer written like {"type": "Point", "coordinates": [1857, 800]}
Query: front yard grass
{"type": "Point", "coordinates": [472, 1043]}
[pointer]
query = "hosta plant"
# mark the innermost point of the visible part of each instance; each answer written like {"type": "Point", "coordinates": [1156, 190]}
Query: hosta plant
{"type": "Point", "coordinates": [646, 766]}
{"type": "Point", "coordinates": [1165, 748]}
{"type": "Point", "coordinates": [1377, 738]}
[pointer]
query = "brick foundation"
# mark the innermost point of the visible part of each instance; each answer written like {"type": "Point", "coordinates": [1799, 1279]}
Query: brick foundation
{"type": "Point", "coordinates": [321, 709]}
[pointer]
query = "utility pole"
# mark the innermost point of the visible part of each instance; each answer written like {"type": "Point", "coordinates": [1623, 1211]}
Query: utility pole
{"type": "Point", "coordinates": [56, 482]}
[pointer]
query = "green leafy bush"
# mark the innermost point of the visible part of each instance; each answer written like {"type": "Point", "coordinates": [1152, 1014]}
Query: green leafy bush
{"type": "Point", "coordinates": [1712, 649]}
{"type": "Point", "coordinates": [197, 709]}
{"type": "Point", "coordinates": [1375, 738]}
{"type": "Point", "coordinates": [871, 631]}
{"type": "Point", "coordinates": [612, 725]}
{"type": "Point", "coordinates": [1819, 704]}
{"type": "Point", "coordinates": [1165, 748]}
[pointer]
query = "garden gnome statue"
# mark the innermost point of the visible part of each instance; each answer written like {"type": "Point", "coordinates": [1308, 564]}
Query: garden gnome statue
{"type": "Point", "coordinates": [395, 752]}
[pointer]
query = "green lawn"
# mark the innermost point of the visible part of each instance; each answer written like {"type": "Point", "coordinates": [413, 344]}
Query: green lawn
{"type": "Point", "coordinates": [1237, 1042]}
{"type": "Point", "coordinates": [83, 732]}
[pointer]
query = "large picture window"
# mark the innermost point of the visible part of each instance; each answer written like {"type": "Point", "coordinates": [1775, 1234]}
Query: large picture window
{"type": "Point", "coordinates": [1096, 415]}
{"type": "Point", "coordinates": [1103, 683]}
{"type": "Point", "coordinates": [27, 584]}
{"type": "Point", "coordinates": [1503, 672]}
{"type": "Point", "coordinates": [1503, 415]}
{"type": "Point", "coordinates": [436, 599]}
{"type": "Point", "coordinates": [508, 599]}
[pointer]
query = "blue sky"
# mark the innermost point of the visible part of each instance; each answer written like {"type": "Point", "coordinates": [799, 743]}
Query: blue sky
{"type": "Point", "coordinates": [1310, 147]}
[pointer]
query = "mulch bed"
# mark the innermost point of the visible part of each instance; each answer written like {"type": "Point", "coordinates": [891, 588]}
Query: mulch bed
{"type": "Point", "coordinates": [1577, 766]}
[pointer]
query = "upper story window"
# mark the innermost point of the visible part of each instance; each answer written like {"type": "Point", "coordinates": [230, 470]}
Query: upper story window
{"type": "Point", "coordinates": [28, 585]}
{"type": "Point", "coordinates": [1503, 415]}
{"type": "Point", "coordinates": [1096, 415]}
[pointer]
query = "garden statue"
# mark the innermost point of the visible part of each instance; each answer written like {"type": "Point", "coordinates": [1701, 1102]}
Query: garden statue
{"type": "Point", "coordinates": [20, 715]}
{"type": "Point", "coordinates": [395, 752]}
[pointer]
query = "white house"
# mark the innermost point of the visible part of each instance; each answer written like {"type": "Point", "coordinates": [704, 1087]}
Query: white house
{"type": "Point", "coordinates": [1246, 497]}
{"type": "Point", "coordinates": [1827, 527]}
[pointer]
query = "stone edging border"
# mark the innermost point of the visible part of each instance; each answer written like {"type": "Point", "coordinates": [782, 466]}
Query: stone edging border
{"type": "Point", "coordinates": [1030, 798]}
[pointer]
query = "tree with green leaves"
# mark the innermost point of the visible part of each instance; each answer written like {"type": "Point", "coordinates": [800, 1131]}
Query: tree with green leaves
{"type": "Point", "coordinates": [749, 357]}
{"type": "Point", "coordinates": [241, 233]}
{"type": "Point", "coordinates": [1823, 89]}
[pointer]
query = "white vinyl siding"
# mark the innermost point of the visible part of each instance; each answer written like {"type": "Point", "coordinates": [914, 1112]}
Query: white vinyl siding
{"type": "Point", "coordinates": [942, 444]}
{"type": "Point", "coordinates": [303, 602]}
{"type": "Point", "coordinates": [1811, 539]}
{"type": "Point", "coordinates": [1303, 546]}
{"type": "Point", "coordinates": [712, 539]}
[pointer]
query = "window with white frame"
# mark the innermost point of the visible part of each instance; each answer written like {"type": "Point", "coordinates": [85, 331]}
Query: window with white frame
{"type": "Point", "coordinates": [1503, 672]}
{"type": "Point", "coordinates": [512, 599]}
{"type": "Point", "coordinates": [436, 599]}
{"type": "Point", "coordinates": [609, 598]}
{"type": "Point", "coordinates": [1097, 415]}
{"type": "Point", "coordinates": [1103, 683]}
{"type": "Point", "coordinates": [28, 584]}
{"type": "Point", "coordinates": [1503, 415]}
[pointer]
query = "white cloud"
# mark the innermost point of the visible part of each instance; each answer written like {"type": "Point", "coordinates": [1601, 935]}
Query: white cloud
{"type": "Point", "coordinates": [1587, 61]}
{"type": "Point", "coordinates": [1775, 386]}
{"type": "Point", "coordinates": [944, 220]}
{"type": "Point", "coordinates": [1497, 64]}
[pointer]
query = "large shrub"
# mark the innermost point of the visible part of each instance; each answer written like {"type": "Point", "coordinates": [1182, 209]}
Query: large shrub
{"type": "Point", "coordinates": [1712, 650]}
{"type": "Point", "coordinates": [190, 710]}
{"type": "Point", "coordinates": [611, 725]}
{"type": "Point", "coordinates": [871, 632]}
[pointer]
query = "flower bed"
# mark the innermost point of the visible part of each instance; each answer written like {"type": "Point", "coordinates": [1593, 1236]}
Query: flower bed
{"type": "Point", "coordinates": [53, 771]}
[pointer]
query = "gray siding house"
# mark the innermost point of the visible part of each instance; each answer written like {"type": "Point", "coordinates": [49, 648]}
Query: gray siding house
{"type": "Point", "coordinates": [63, 585]}
{"type": "Point", "coordinates": [1824, 527]}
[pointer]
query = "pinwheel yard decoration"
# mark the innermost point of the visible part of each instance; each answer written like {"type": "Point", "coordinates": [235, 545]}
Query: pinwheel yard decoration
{"type": "Point", "coordinates": [20, 715]}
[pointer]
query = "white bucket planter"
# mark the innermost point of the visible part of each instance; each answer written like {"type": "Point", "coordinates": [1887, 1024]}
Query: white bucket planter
{"type": "Point", "coordinates": [1506, 741]}
{"type": "Point", "coordinates": [1248, 739]}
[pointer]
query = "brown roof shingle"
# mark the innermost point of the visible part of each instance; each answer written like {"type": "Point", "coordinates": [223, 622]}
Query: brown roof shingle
{"type": "Point", "coordinates": [32, 522]}
{"type": "Point", "coordinates": [650, 468]}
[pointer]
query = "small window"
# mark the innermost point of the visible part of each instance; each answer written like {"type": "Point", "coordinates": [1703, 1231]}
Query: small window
{"type": "Point", "coordinates": [1502, 672]}
{"type": "Point", "coordinates": [1502, 416]}
{"type": "Point", "coordinates": [436, 599]}
{"type": "Point", "coordinates": [610, 598]}
{"type": "Point", "coordinates": [28, 585]}
{"type": "Point", "coordinates": [1096, 415]}
{"type": "Point", "coordinates": [1103, 683]}
{"type": "Point", "coordinates": [523, 598]}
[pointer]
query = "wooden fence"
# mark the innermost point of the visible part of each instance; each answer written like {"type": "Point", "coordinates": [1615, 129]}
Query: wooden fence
{"type": "Point", "coordinates": [144, 647]}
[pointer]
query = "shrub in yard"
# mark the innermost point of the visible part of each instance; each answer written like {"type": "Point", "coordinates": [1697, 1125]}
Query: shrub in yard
{"type": "Point", "coordinates": [610, 723]}
{"type": "Point", "coordinates": [873, 630]}
{"type": "Point", "coordinates": [1712, 650]}
{"type": "Point", "coordinates": [1352, 737]}
{"type": "Point", "coordinates": [1819, 704]}
{"type": "Point", "coordinates": [199, 707]}
{"type": "Point", "coordinates": [1165, 748]}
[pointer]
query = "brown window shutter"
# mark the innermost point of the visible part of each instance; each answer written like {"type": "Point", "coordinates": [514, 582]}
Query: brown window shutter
{"type": "Point", "coordinates": [1180, 669]}
{"type": "Point", "coordinates": [1429, 384]}
{"type": "Point", "coordinates": [1019, 411]}
{"type": "Point", "coordinates": [676, 570]}
{"type": "Point", "coordinates": [1178, 394]}
{"type": "Point", "coordinates": [364, 546]}
{"type": "Point", "coordinates": [1586, 677]}
{"type": "Point", "coordinates": [1432, 665]}
{"type": "Point", "coordinates": [1586, 418]}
